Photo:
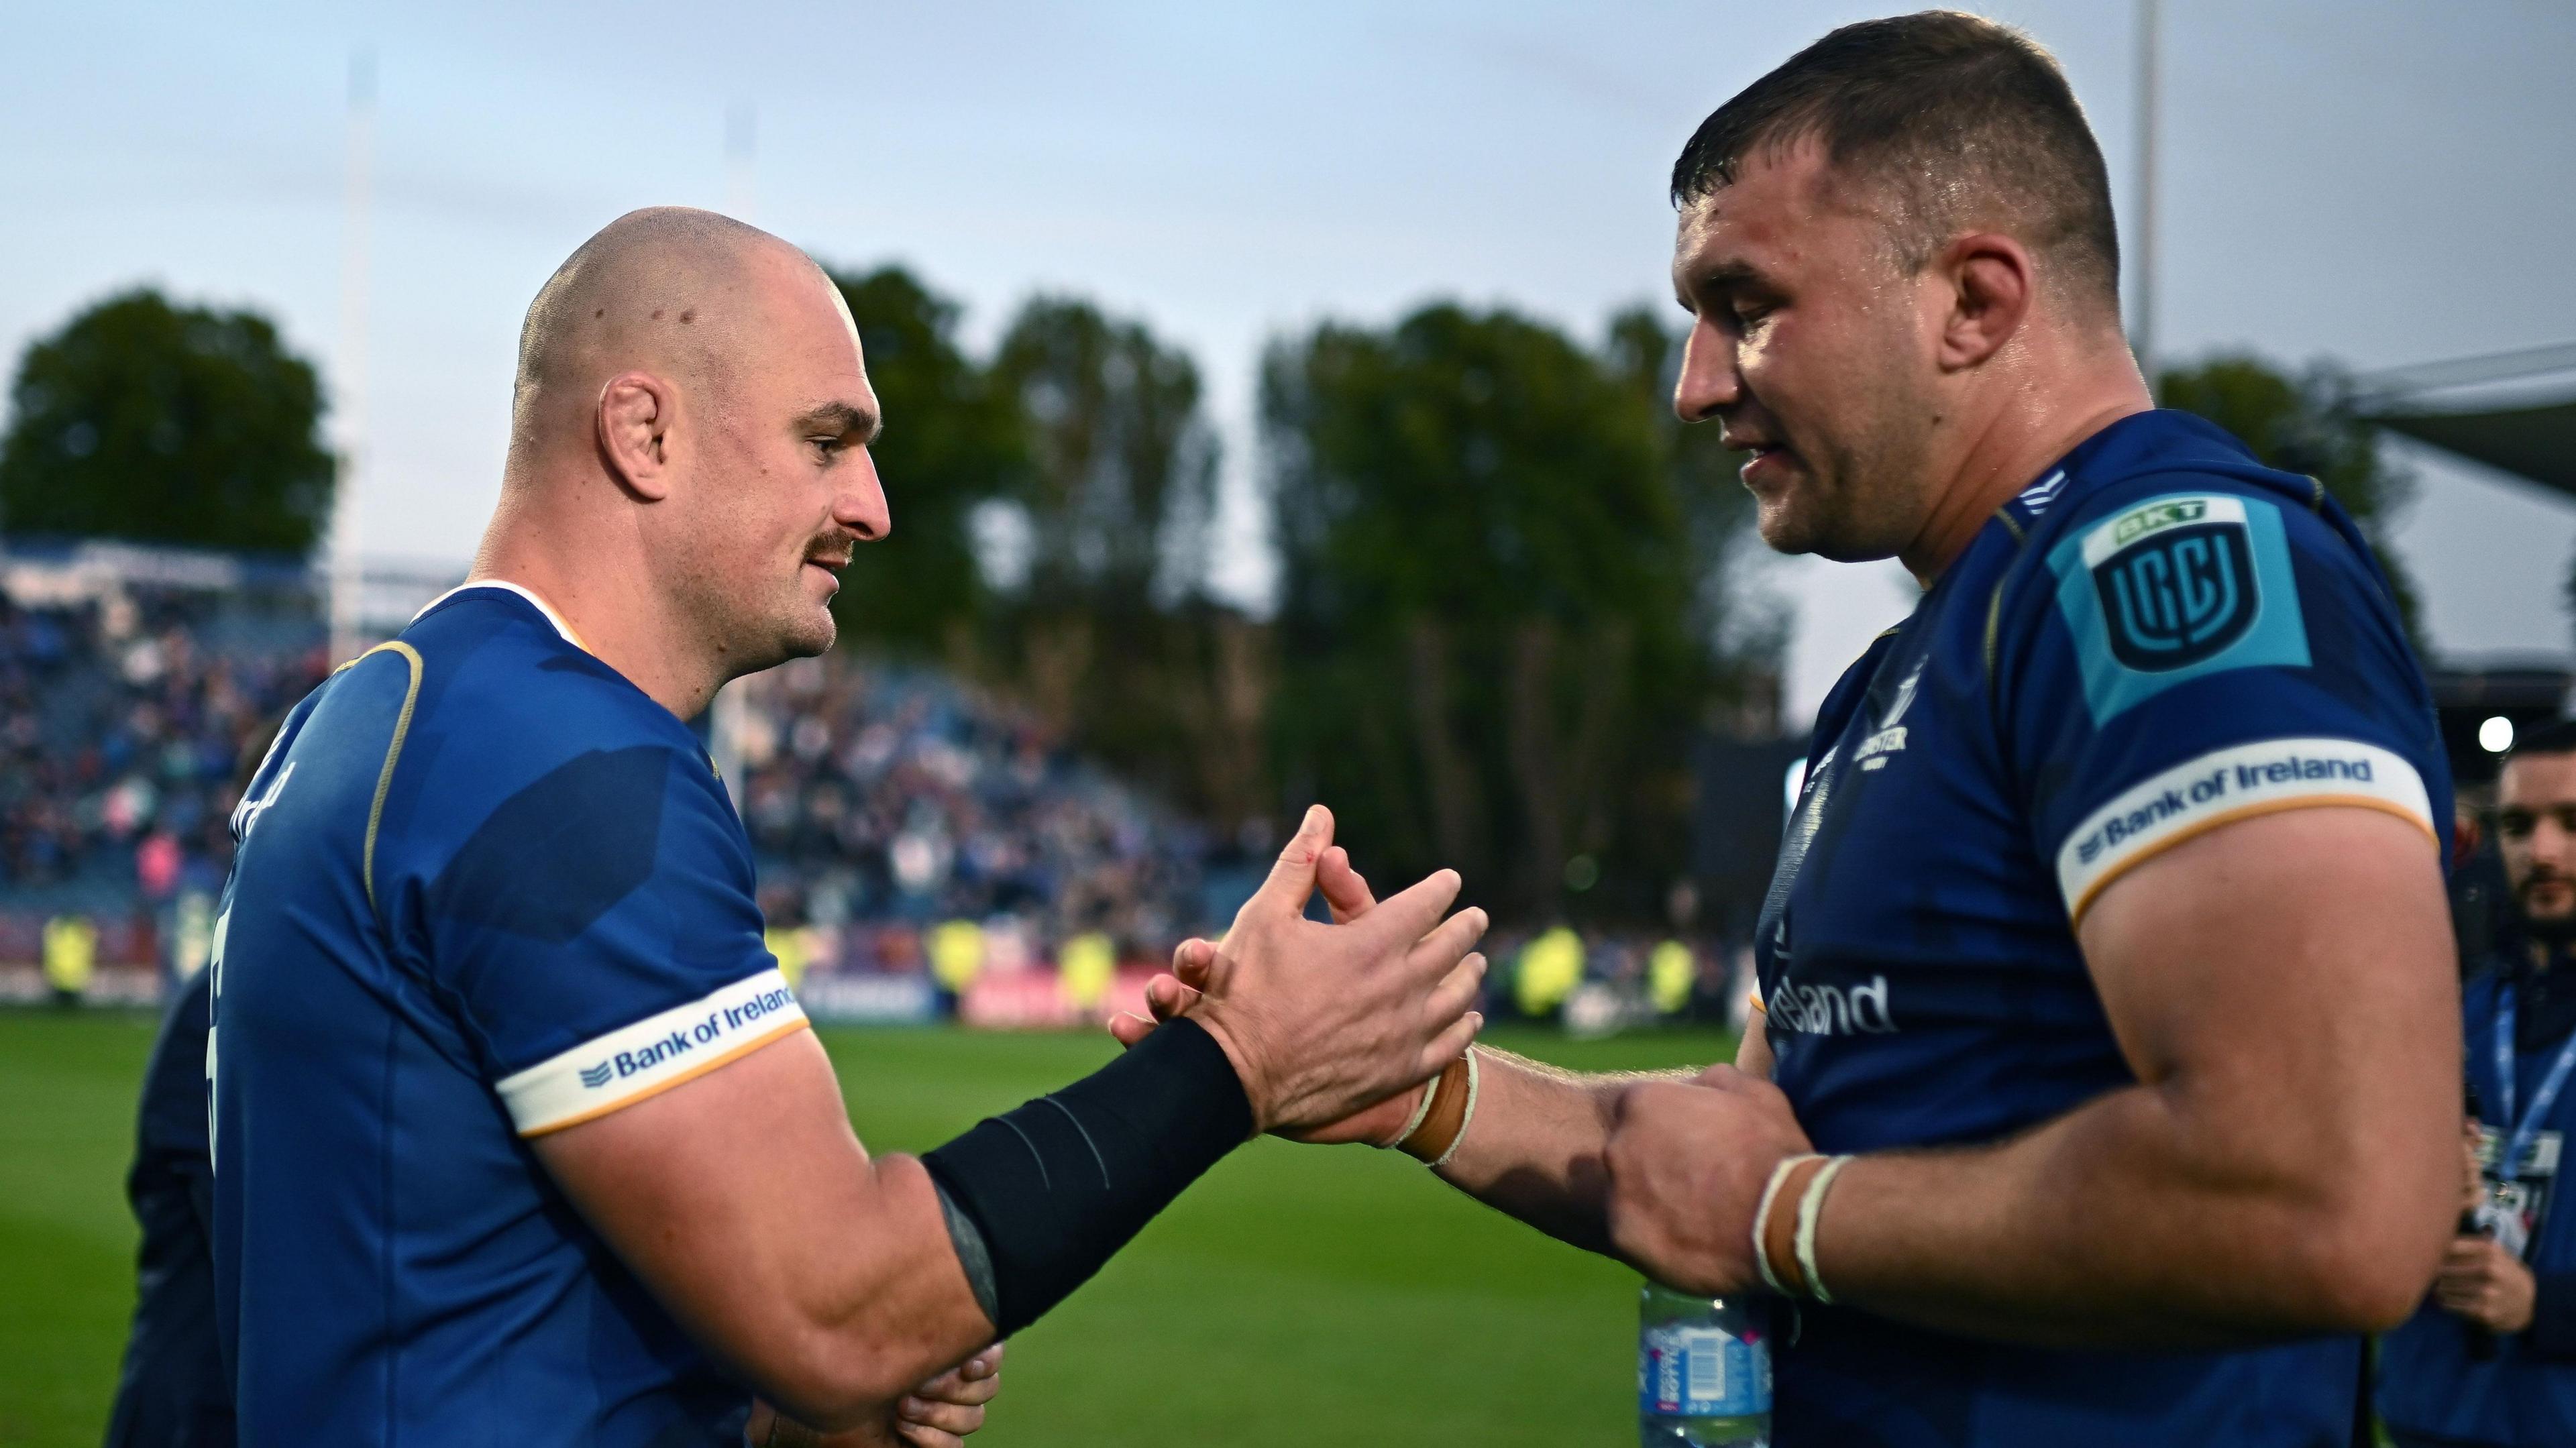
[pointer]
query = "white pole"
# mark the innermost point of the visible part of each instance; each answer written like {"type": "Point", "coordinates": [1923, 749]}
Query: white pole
{"type": "Point", "coordinates": [2142, 233]}
{"type": "Point", "coordinates": [346, 579]}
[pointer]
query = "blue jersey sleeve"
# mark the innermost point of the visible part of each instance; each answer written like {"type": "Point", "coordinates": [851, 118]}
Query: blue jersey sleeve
{"type": "Point", "coordinates": [2192, 650]}
{"type": "Point", "coordinates": [598, 934]}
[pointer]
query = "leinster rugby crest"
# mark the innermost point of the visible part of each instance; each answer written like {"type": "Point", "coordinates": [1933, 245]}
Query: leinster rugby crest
{"type": "Point", "coordinates": [2178, 585]}
{"type": "Point", "coordinates": [2175, 587]}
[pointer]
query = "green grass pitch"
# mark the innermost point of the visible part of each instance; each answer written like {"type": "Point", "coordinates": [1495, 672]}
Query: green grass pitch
{"type": "Point", "coordinates": [1299, 1295]}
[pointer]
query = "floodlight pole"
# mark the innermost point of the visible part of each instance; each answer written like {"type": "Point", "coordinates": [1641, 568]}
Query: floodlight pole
{"type": "Point", "coordinates": [2142, 235]}
{"type": "Point", "coordinates": [346, 579]}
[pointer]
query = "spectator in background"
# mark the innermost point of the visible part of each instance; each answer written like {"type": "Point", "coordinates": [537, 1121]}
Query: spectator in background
{"type": "Point", "coordinates": [2490, 1360]}
{"type": "Point", "coordinates": [71, 956]}
{"type": "Point", "coordinates": [119, 724]}
{"type": "Point", "coordinates": [878, 793]}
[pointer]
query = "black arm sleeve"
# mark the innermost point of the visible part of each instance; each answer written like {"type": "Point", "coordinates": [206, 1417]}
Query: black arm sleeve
{"type": "Point", "coordinates": [1057, 1186]}
{"type": "Point", "coordinates": [2552, 1333]}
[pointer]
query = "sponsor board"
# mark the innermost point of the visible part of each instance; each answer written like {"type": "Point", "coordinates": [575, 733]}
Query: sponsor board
{"type": "Point", "coordinates": [870, 998]}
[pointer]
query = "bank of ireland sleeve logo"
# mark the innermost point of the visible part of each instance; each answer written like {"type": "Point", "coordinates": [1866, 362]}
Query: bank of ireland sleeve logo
{"type": "Point", "coordinates": [2174, 588]}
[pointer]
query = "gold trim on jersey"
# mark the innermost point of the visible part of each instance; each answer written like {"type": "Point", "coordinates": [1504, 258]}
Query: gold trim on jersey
{"type": "Point", "coordinates": [393, 751]}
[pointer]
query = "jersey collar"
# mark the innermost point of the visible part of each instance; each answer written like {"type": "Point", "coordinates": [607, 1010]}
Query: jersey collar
{"type": "Point", "coordinates": [523, 591]}
{"type": "Point", "coordinates": [2126, 445]}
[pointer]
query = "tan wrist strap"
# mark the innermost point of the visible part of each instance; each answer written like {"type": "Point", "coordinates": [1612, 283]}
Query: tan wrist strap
{"type": "Point", "coordinates": [1444, 1117]}
{"type": "Point", "coordinates": [1779, 1229]}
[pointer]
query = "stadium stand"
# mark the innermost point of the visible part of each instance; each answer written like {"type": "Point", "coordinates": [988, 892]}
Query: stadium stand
{"type": "Point", "coordinates": [923, 846]}
{"type": "Point", "coordinates": [130, 680]}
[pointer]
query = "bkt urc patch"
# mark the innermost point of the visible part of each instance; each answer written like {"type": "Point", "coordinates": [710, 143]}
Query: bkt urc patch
{"type": "Point", "coordinates": [2174, 588]}
{"type": "Point", "coordinates": [2182, 590]}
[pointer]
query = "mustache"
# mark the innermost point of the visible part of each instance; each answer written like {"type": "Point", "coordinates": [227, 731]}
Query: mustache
{"type": "Point", "coordinates": [832, 550]}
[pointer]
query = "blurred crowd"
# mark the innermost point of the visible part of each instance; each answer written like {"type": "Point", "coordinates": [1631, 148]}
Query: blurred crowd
{"type": "Point", "coordinates": [121, 725]}
{"type": "Point", "coordinates": [888, 795]}
{"type": "Point", "coordinates": [908, 829]}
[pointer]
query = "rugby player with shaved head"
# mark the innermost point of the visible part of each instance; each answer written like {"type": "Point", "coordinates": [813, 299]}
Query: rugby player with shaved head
{"type": "Point", "coordinates": [519, 1136]}
{"type": "Point", "coordinates": [2108, 1088]}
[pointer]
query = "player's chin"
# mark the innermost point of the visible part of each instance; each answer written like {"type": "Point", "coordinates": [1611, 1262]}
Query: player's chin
{"type": "Point", "coordinates": [1787, 521]}
{"type": "Point", "coordinates": [815, 635]}
{"type": "Point", "coordinates": [807, 629]}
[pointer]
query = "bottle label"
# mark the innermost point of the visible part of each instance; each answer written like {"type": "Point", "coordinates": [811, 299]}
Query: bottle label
{"type": "Point", "coordinates": [1701, 1372]}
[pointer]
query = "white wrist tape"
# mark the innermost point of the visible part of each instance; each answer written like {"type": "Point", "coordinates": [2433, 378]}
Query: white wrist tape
{"type": "Point", "coordinates": [1465, 1121]}
{"type": "Point", "coordinates": [1811, 1207]}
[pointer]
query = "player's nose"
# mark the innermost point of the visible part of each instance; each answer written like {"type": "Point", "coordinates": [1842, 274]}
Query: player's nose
{"type": "Point", "coordinates": [1708, 383]}
{"type": "Point", "coordinates": [860, 505]}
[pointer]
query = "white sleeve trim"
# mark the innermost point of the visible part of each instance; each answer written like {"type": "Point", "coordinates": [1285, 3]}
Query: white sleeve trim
{"type": "Point", "coordinates": [651, 1056]}
{"type": "Point", "coordinates": [2230, 784]}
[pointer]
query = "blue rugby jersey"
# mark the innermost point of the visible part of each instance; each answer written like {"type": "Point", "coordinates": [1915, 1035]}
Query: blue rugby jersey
{"type": "Point", "coordinates": [486, 889]}
{"type": "Point", "coordinates": [2157, 637]}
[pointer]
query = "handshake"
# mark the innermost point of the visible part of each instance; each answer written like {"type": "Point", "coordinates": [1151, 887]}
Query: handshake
{"type": "Point", "coordinates": [1352, 1031]}
{"type": "Point", "coordinates": [1335, 1029]}
{"type": "Point", "coordinates": [1332, 1028]}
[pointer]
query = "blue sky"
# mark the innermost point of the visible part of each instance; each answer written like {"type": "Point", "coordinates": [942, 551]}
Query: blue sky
{"type": "Point", "coordinates": [2370, 182]}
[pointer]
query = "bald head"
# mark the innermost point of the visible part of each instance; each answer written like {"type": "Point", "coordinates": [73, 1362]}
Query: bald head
{"type": "Point", "coordinates": [671, 290]}
{"type": "Point", "coordinates": [689, 437]}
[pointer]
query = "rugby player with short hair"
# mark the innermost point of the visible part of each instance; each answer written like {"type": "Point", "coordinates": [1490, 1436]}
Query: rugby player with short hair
{"type": "Point", "coordinates": [2489, 1361]}
{"type": "Point", "coordinates": [2108, 1089]}
{"type": "Point", "coordinates": [518, 1135]}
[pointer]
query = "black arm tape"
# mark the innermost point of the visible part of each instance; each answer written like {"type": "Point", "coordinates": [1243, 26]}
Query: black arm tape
{"type": "Point", "coordinates": [1057, 1186]}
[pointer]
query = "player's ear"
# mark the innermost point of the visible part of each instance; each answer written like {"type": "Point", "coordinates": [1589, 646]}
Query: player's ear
{"type": "Point", "coordinates": [635, 415]}
{"type": "Point", "coordinates": [1990, 288]}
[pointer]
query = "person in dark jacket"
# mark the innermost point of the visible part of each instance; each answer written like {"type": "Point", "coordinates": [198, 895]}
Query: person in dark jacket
{"type": "Point", "coordinates": [2490, 1360]}
{"type": "Point", "coordinates": [173, 1392]}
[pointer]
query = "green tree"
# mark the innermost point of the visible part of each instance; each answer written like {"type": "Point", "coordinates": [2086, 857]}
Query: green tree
{"type": "Point", "coordinates": [1106, 635]}
{"type": "Point", "coordinates": [1125, 466]}
{"type": "Point", "coordinates": [146, 420]}
{"type": "Point", "coordinates": [1496, 621]}
{"type": "Point", "coordinates": [953, 441]}
{"type": "Point", "coordinates": [2306, 424]}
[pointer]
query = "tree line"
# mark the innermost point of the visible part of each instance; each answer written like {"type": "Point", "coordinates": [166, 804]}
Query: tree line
{"type": "Point", "coordinates": [1511, 584]}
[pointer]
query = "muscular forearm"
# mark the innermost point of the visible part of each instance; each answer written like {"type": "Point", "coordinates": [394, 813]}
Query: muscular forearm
{"type": "Point", "coordinates": [827, 1279]}
{"type": "Point", "coordinates": [871, 1302]}
{"type": "Point", "coordinates": [2128, 1222]}
{"type": "Point", "coordinates": [1534, 1148]}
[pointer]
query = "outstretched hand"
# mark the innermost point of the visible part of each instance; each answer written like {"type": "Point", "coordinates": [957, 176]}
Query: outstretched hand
{"type": "Point", "coordinates": [1324, 1022]}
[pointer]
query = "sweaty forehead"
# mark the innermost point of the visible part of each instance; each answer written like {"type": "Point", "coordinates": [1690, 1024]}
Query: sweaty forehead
{"type": "Point", "coordinates": [1785, 211]}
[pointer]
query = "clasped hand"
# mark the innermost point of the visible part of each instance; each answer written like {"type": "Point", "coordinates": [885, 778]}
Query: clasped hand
{"type": "Point", "coordinates": [937, 1414]}
{"type": "Point", "coordinates": [1687, 1162]}
{"type": "Point", "coordinates": [1331, 1027]}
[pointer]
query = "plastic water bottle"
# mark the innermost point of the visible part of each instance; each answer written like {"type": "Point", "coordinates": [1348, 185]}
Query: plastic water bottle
{"type": "Point", "coordinates": [1703, 1370]}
